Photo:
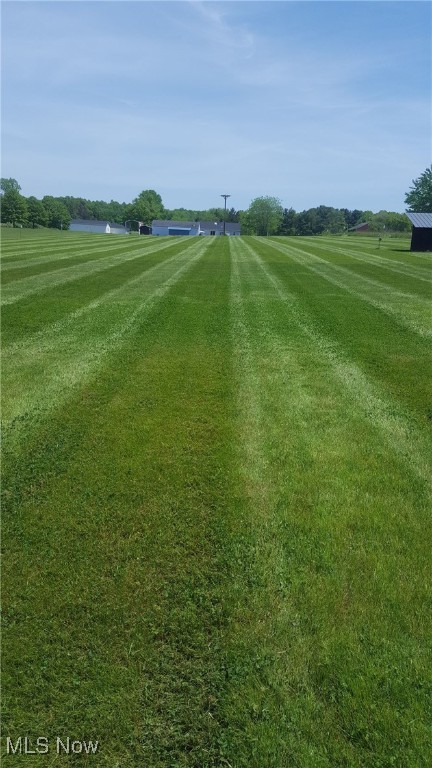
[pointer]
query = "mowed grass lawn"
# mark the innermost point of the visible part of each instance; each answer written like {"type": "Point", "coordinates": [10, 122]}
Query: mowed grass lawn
{"type": "Point", "coordinates": [217, 500]}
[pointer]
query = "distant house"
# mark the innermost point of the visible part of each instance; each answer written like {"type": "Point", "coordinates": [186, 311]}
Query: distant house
{"type": "Point", "coordinates": [421, 237]}
{"type": "Point", "coordinates": [95, 227]}
{"type": "Point", "coordinates": [165, 227]}
{"type": "Point", "coordinates": [360, 228]}
{"type": "Point", "coordinates": [217, 228]}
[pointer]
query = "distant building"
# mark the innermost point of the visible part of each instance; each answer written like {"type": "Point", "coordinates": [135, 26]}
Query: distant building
{"type": "Point", "coordinates": [360, 228]}
{"type": "Point", "coordinates": [421, 237]}
{"type": "Point", "coordinates": [163, 228]}
{"type": "Point", "coordinates": [95, 227]}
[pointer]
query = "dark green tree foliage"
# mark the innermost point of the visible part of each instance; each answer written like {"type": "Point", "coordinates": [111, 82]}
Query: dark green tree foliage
{"type": "Point", "coordinates": [317, 221]}
{"type": "Point", "coordinates": [36, 213]}
{"type": "Point", "coordinates": [321, 220]}
{"type": "Point", "coordinates": [288, 223]}
{"type": "Point", "coordinates": [246, 223]}
{"type": "Point", "coordinates": [13, 207]}
{"type": "Point", "coordinates": [210, 214]}
{"type": "Point", "coordinates": [148, 206]}
{"type": "Point", "coordinates": [265, 215]}
{"type": "Point", "coordinates": [181, 214]}
{"type": "Point", "coordinates": [351, 217]}
{"type": "Point", "coordinates": [419, 198]}
{"type": "Point", "coordinates": [6, 185]}
{"type": "Point", "coordinates": [80, 208]}
{"type": "Point", "coordinates": [387, 221]}
{"type": "Point", "coordinates": [58, 215]}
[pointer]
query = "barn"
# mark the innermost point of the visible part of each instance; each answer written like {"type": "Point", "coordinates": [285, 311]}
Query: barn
{"type": "Point", "coordinates": [421, 237]}
{"type": "Point", "coordinates": [166, 227]}
{"type": "Point", "coordinates": [95, 227]}
{"type": "Point", "coordinates": [360, 228]}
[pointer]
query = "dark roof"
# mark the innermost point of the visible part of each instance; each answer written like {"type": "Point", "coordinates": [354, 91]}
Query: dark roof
{"type": "Point", "coordinates": [177, 224]}
{"type": "Point", "coordinates": [420, 220]}
{"type": "Point", "coordinates": [93, 222]}
{"type": "Point", "coordinates": [96, 223]}
{"type": "Point", "coordinates": [361, 225]}
{"type": "Point", "coordinates": [229, 226]}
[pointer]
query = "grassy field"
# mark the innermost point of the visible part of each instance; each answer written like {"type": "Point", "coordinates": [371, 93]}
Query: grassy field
{"type": "Point", "coordinates": [217, 501]}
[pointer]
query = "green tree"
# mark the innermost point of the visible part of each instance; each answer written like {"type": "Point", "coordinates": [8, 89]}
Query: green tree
{"type": "Point", "coordinates": [288, 223]}
{"type": "Point", "coordinates": [419, 198]}
{"type": "Point", "coordinates": [7, 185]}
{"type": "Point", "coordinates": [388, 221]}
{"type": "Point", "coordinates": [246, 224]}
{"type": "Point", "coordinates": [398, 222]}
{"type": "Point", "coordinates": [265, 215]}
{"type": "Point", "coordinates": [308, 223]}
{"type": "Point", "coordinates": [351, 217]}
{"type": "Point", "coordinates": [148, 206]}
{"type": "Point", "coordinates": [36, 212]}
{"type": "Point", "coordinates": [13, 207]}
{"type": "Point", "coordinates": [58, 215]}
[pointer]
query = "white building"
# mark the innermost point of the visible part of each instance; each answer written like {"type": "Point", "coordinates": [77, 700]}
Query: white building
{"type": "Point", "coordinates": [97, 227]}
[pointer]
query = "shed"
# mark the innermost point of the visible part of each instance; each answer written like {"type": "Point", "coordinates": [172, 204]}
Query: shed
{"type": "Point", "coordinates": [421, 237]}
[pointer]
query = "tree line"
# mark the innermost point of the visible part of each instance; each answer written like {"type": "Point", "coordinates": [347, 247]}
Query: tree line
{"type": "Point", "coordinates": [265, 215]}
{"type": "Point", "coordinates": [57, 212]}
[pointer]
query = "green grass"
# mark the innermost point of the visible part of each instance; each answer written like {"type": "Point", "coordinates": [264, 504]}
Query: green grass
{"type": "Point", "coordinates": [216, 500]}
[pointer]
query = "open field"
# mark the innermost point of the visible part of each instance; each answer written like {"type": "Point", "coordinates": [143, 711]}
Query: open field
{"type": "Point", "coordinates": [217, 500]}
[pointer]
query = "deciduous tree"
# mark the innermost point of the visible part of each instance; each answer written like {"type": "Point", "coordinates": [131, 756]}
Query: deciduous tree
{"type": "Point", "coordinates": [288, 223]}
{"type": "Point", "coordinates": [419, 198]}
{"type": "Point", "coordinates": [148, 206]}
{"type": "Point", "coordinates": [265, 215]}
{"type": "Point", "coordinates": [13, 207]}
{"type": "Point", "coordinates": [58, 215]}
{"type": "Point", "coordinates": [6, 185]}
{"type": "Point", "coordinates": [36, 212]}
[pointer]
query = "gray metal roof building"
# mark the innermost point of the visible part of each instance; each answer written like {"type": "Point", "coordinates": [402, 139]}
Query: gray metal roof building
{"type": "Point", "coordinates": [421, 237]}
{"type": "Point", "coordinates": [93, 226]}
{"type": "Point", "coordinates": [170, 227]}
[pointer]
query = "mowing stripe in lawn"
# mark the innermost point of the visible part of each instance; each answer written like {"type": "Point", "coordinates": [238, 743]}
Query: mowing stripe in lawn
{"type": "Point", "coordinates": [368, 283]}
{"type": "Point", "coordinates": [396, 358]}
{"type": "Point", "coordinates": [408, 310]}
{"type": "Point", "coordinates": [35, 312]}
{"type": "Point", "coordinates": [322, 607]}
{"type": "Point", "coordinates": [54, 251]}
{"type": "Point", "coordinates": [25, 287]}
{"type": "Point", "coordinates": [386, 415]}
{"type": "Point", "coordinates": [41, 376]}
{"type": "Point", "coordinates": [217, 534]}
{"type": "Point", "coordinates": [383, 267]}
{"type": "Point", "coordinates": [50, 335]}
{"type": "Point", "coordinates": [119, 503]}
{"type": "Point", "coordinates": [53, 262]}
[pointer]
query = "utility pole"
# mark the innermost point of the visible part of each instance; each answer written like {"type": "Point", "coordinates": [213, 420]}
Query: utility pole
{"type": "Point", "coordinates": [225, 198]}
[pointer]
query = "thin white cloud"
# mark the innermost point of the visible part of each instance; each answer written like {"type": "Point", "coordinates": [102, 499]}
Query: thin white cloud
{"type": "Point", "coordinates": [190, 97]}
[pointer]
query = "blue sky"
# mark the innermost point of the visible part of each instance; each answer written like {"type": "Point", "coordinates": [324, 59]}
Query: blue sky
{"type": "Point", "coordinates": [324, 102]}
